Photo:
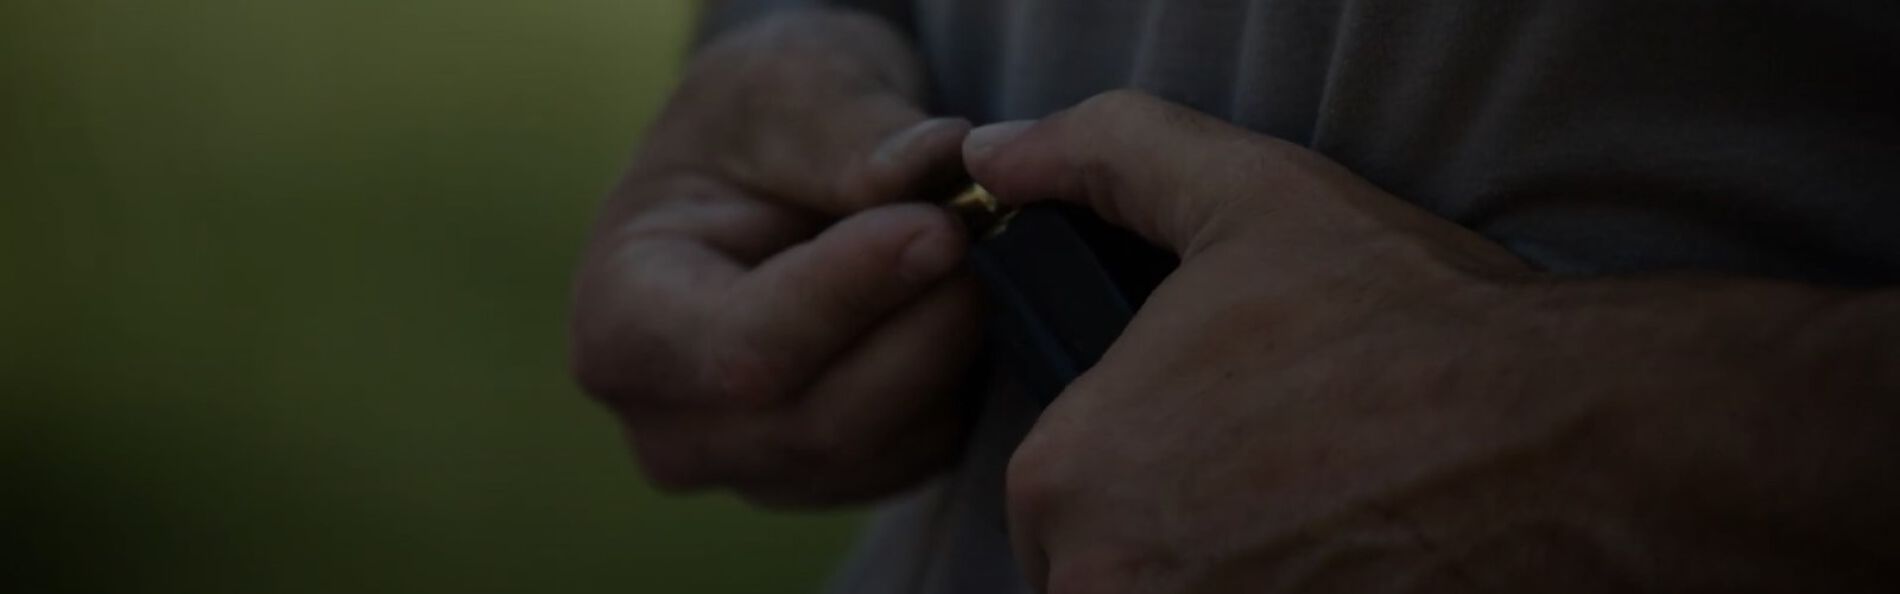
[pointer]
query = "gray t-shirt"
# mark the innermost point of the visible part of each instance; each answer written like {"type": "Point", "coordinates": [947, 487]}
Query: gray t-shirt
{"type": "Point", "coordinates": [1590, 136]}
{"type": "Point", "coordinates": [1757, 137]}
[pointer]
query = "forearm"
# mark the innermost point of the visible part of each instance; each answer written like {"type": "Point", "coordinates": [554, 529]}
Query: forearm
{"type": "Point", "coordinates": [1696, 342]}
{"type": "Point", "coordinates": [1724, 434]}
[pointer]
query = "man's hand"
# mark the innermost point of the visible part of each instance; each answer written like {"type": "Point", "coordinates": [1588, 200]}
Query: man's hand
{"type": "Point", "coordinates": [1339, 392]}
{"type": "Point", "coordinates": [756, 305]}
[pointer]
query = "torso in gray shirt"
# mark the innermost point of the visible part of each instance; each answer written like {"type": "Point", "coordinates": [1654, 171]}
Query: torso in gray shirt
{"type": "Point", "coordinates": [1590, 136]}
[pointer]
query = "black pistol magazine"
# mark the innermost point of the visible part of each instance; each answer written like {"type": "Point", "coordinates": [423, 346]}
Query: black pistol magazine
{"type": "Point", "coordinates": [1062, 286]}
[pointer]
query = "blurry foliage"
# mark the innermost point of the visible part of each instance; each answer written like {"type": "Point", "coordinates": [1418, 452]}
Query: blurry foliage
{"type": "Point", "coordinates": [282, 293]}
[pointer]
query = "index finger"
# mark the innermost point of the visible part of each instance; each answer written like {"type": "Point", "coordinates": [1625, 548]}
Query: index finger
{"type": "Point", "coordinates": [781, 323]}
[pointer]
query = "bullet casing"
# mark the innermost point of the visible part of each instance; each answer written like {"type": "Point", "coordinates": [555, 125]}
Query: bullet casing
{"type": "Point", "coordinates": [981, 212]}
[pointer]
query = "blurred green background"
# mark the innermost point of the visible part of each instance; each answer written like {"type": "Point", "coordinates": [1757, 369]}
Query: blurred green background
{"type": "Point", "coordinates": [282, 288]}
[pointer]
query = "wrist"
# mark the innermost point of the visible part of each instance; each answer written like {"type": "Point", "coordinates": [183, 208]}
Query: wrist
{"type": "Point", "coordinates": [1711, 403]}
{"type": "Point", "coordinates": [803, 44]}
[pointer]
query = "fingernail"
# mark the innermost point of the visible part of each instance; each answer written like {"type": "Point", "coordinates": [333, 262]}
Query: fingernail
{"type": "Point", "coordinates": [901, 143]}
{"type": "Point", "coordinates": [983, 141]}
{"type": "Point", "coordinates": [928, 256]}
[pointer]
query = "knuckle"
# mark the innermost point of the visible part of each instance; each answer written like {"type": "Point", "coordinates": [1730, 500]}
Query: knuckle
{"type": "Point", "coordinates": [612, 374]}
{"type": "Point", "coordinates": [1035, 483]}
{"type": "Point", "coordinates": [618, 352]}
{"type": "Point", "coordinates": [1135, 118]}
{"type": "Point", "coordinates": [738, 373]}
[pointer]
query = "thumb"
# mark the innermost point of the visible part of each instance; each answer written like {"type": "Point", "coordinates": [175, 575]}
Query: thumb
{"type": "Point", "coordinates": [1177, 177]}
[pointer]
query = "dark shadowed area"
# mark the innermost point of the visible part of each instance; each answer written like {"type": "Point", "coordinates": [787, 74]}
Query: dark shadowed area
{"type": "Point", "coordinates": [282, 292]}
